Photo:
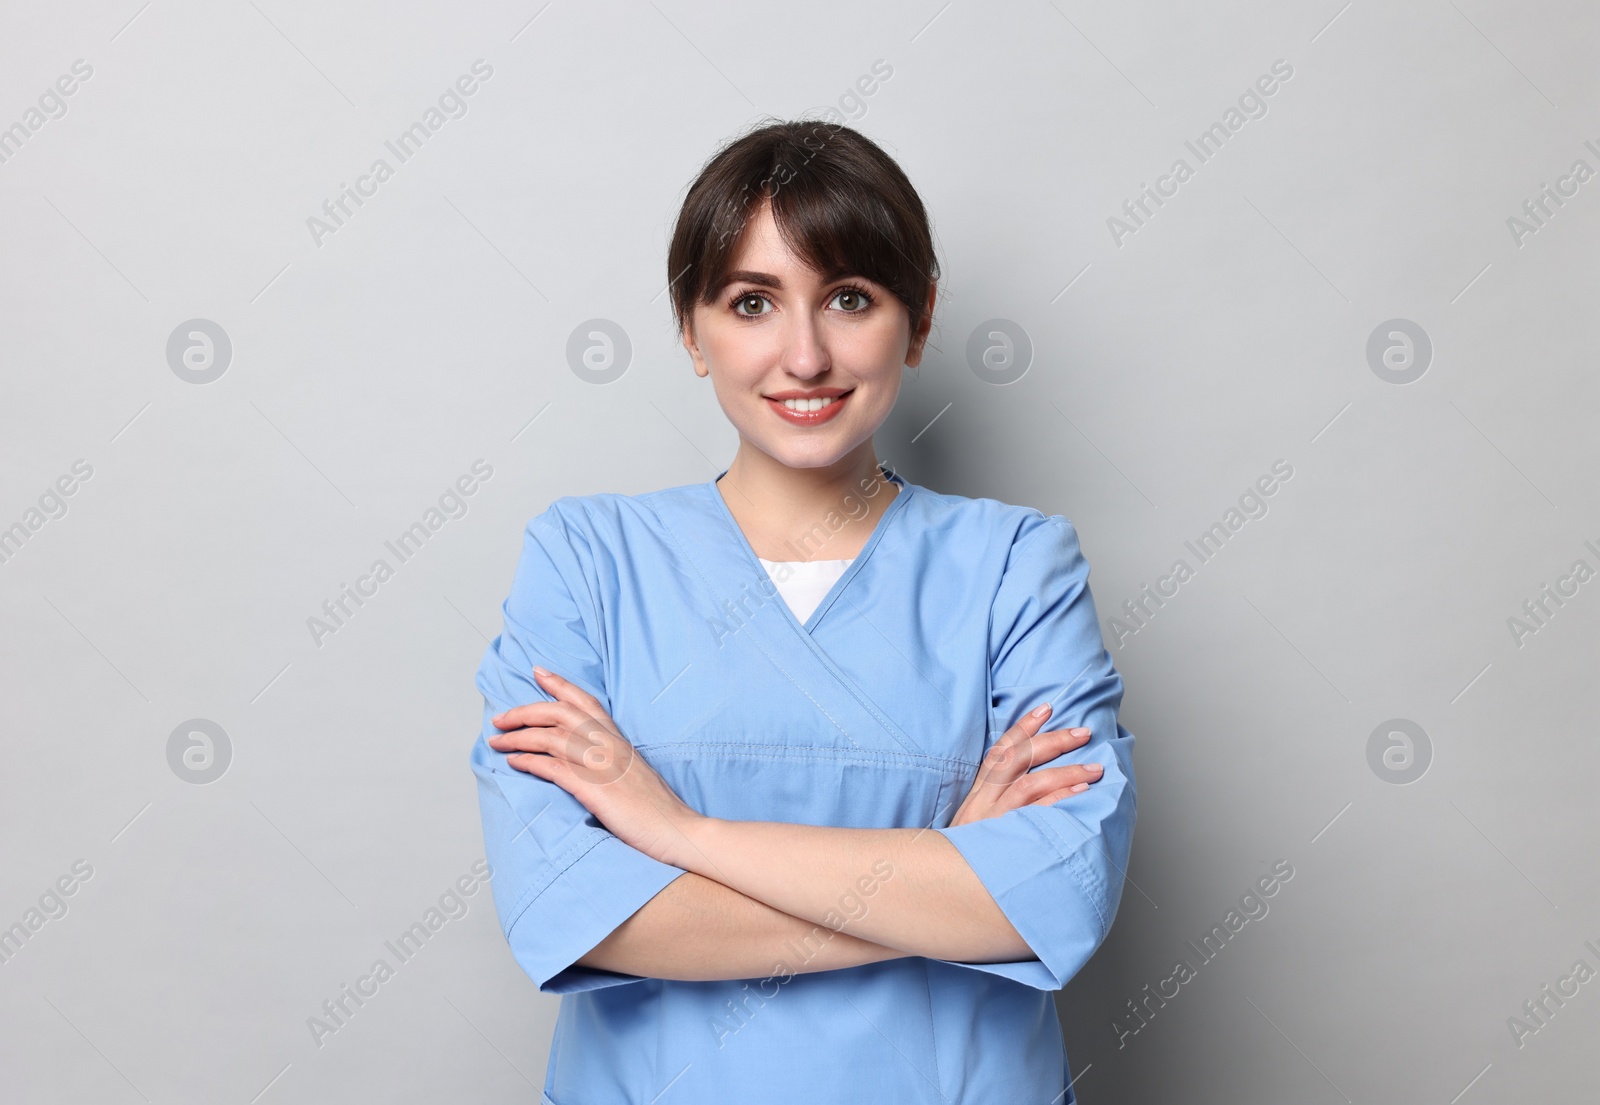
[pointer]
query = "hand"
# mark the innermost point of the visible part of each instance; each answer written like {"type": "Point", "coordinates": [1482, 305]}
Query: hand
{"type": "Point", "coordinates": [1006, 779]}
{"type": "Point", "coordinates": [573, 743]}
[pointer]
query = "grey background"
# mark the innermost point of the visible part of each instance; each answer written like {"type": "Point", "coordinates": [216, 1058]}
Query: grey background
{"type": "Point", "coordinates": [1169, 372]}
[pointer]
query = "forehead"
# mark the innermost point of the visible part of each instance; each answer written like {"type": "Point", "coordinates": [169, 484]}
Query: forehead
{"type": "Point", "coordinates": [762, 249]}
{"type": "Point", "coordinates": [760, 240]}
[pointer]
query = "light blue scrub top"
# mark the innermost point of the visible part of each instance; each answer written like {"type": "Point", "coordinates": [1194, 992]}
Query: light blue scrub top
{"type": "Point", "coordinates": [957, 617]}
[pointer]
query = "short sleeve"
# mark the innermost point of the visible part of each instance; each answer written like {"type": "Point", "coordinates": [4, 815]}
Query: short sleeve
{"type": "Point", "coordinates": [561, 881]}
{"type": "Point", "coordinates": [1055, 871]}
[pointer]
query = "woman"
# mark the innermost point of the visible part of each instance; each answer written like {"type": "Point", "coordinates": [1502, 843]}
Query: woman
{"type": "Point", "coordinates": [765, 779]}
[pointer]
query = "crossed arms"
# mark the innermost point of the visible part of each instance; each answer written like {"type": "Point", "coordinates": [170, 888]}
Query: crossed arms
{"type": "Point", "coordinates": [752, 886]}
{"type": "Point", "coordinates": [605, 875]}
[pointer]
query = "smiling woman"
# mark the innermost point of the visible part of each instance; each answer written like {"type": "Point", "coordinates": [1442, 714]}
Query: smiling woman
{"type": "Point", "coordinates": [684, 820]}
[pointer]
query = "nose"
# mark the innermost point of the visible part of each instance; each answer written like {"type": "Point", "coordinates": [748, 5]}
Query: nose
{"type": "Point", "coordinates": [805, 352]}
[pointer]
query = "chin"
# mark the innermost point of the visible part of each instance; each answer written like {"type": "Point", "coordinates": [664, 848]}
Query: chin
{"type": "Point", "coordinates": [813, 455]}
{"type": "Point", "coordinates": [807, 458]}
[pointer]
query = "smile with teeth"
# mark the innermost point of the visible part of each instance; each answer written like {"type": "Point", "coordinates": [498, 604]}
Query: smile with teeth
{"type": "Point", "coordinates": [810, 410]}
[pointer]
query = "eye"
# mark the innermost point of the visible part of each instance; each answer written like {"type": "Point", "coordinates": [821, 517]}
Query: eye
{"type": "Point", "coordinates": [853, 300]}
{"type": "Point", "coordinates": [753, 300]}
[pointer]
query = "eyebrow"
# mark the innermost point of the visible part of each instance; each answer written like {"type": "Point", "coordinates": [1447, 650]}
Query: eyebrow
{"type": "Point", "coordinates": [745, 276]}
{"type": "Point", "coordinates": [766, 279]}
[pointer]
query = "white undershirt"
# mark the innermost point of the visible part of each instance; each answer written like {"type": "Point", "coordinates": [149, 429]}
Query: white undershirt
{"type": "Point", "coordinates": [804, 583]}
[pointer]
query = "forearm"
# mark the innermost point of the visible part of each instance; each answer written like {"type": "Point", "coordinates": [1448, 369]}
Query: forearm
{"type": "Point", "coordinates": [908, 889]}
{"type": "Point", "coordinates": [699, 930]}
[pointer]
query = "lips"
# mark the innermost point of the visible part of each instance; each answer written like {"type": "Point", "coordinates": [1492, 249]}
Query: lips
{"type": "Point", "coordinates": [828, 402]}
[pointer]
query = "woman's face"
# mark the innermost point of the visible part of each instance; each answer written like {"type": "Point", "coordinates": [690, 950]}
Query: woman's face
{"type": "Point", "coordinates": [834, 349]}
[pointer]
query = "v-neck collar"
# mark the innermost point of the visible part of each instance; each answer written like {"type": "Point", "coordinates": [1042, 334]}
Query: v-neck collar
{"type": "Point", "coordinates": [753, 561]}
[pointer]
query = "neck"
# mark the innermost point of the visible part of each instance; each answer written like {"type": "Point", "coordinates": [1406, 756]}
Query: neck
{"type": "Point", "coordinates": [824, 513]}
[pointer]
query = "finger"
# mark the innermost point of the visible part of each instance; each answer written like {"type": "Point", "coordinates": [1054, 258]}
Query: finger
{"type": "Point", "coordinates": [529, 714]}
{"type": "Point", "coordinates": [550, 741]}
{"type": "Point", "coordinates": [1047, 746]}
{"type": "Point", "coordinates": [1076, 737]}
{"type": "Point", "coordinates": [563, 715]}
{"type": "Point", "coordinates": [541, 713]}
{"type": "Point", "coordinates": [1057, 795]}
{"type": "Point", "coordinates": [567, 691]}
{"type": "Point", "coordinates": [544, 767]}
{"type": "Point", "coordinates": [1005, 761]}
{"type": "Point", "coordinates": [1048, 779]}
{"type": "Point", "coordinates": [602, 755]}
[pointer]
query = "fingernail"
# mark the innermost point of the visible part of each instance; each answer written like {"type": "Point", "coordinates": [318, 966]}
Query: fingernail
{"type": "Point", "coordinates": [1094, 767]}
{"type": "Point", "coordinates": [1080, 788]}
{"type": "Point", "coordinates": [537, 670]}
{"type": "Point", "coordinates": [1079, 732]}
{"type": "Point", "coordinates": [1042, 710]}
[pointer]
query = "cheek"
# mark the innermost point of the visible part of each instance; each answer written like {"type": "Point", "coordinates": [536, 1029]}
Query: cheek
{"type": "Point", "coordinates": [883, 345]}
{"type": "Point", "coordinates": [738, 358]}
{"type": "Point", "coordinates": [731, 395]}
{"type": "Point", "coordinates": [885, 391]}
{"type": "Point", "coordinates": [875, 357]}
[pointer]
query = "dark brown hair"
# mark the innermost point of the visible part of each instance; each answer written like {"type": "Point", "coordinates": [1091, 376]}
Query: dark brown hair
{"type": "Point", "coordinates": [838, 200]}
